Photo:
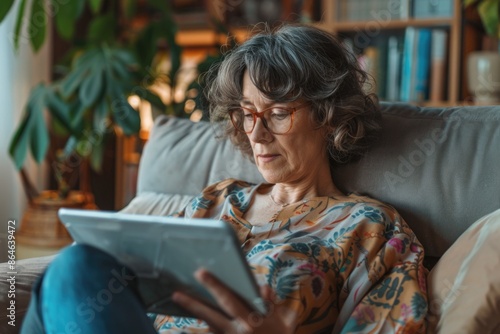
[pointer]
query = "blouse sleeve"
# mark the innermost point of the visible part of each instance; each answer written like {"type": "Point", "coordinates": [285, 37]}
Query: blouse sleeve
{"type": "Point", "coordinates": [211, 200]}
{"type": "Point", "coordinates": [392, 299]}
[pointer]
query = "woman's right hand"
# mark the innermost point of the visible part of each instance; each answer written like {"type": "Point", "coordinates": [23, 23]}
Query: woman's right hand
{"type": "Point", "coordinates": [239, 318]}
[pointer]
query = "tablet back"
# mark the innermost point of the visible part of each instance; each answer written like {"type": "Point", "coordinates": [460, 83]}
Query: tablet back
{"type": "Point", "coordinates": [157, 247]}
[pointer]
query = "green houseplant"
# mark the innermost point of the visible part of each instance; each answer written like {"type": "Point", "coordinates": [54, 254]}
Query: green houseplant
{"type": "Point", "coordinates": [105, 66]}
{"type": "Point", "coordinates": [489, 11]}
{"type": "Point", "coordinates": [89, 97]}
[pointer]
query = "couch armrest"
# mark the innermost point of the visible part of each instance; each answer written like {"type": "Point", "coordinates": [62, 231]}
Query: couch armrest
{"type": "Point", "coordinates": [28, 271]}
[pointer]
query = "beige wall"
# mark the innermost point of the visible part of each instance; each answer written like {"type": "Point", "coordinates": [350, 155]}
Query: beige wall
{"type": "Point", "coordinates": [19, 72]}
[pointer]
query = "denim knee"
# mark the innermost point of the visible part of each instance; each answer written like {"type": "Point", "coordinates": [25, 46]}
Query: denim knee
{"type": "Point", "coordinates": [80, 257]}
{"type": "Point", "coordinates": [86, 288]}
{"type": "Point", "coordinates": [78, 263]}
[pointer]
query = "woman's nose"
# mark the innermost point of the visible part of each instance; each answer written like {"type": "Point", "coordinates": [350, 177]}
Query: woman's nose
{"type": "Point", "coordinates": [260, 132]}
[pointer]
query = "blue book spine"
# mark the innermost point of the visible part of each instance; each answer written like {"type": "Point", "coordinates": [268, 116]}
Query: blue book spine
{"type": "Point", "coordinates": [408, 58]}
{"type": "Point", "coordinates": [422, 65]}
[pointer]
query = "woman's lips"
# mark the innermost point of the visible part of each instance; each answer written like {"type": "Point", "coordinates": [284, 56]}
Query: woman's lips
{"type": "Point", "coordinates": [267, 157]}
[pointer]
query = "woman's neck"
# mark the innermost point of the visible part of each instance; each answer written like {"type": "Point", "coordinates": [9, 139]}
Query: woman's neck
{"type": "Point", "coordinates": [315, 185]}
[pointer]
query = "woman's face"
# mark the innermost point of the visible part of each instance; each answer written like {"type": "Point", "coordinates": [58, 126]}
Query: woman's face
{"type": "Point", "coordinates": [286, 158]}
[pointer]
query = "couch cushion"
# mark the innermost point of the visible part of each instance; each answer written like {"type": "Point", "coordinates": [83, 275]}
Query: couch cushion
{"type": "Point", "coordinates": [440, 168]}
{"type": "Point", "coordinates": [156, 204]}
{"type": "Point", "coordinates": [182, 157]}
{"type": "Point", "coordinates": [464, 287]}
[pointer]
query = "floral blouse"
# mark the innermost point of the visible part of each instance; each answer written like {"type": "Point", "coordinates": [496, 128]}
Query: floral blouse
{"type": "Point", "coordinates": [343, 264]}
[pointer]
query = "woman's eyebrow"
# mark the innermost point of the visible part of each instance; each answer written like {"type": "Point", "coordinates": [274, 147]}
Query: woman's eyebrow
{"type": "Point", "coordinates": [266, 105]}
{"type": "Point", "coordinates": [244, 101]}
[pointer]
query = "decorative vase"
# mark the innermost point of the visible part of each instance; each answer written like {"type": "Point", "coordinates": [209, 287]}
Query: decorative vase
{"type": "Point", "coordinates": [483, 71]}
{"type": "Point", "coordinates": [41, 226]}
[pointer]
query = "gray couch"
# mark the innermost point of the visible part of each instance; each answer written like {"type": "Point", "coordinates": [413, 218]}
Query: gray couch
{"type": "Point", "coordinates": [440, 168]}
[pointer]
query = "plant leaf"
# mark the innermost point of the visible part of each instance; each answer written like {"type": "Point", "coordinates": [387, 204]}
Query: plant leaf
{"type": "Point", "coordinates": [161, 5]}
{"type": "Point", "coordinates": [65, 17]}
{"type": "Point", "coordinates": [18, 147]}
{"type": "Point", "coordinates": [60, 110]}
{"type": "Point", "coordinates": [120, 71]}
{"type": "Point", "coordinates": [102, 29]}
{"type": "Point", "coordinates": [82, 66]}
{"type": "Point", "coordinates": [95, 5]}
{"type": "Point", "coordinates": [125, 116]}
{"type": "Point", "coordinates": [146, 44]}
{"type": "Point", "coordinates": [5, 6]}
{"type": "Point", "coordinates": [100, 117]}
{"type": "Point", "coordinates": [73, 80]}
{"type": "Point", "coordinates": [39, 133]}
{"type": "Point", "coordinates": [19, 144]}
{"type": "Point", "coordinates": [121, 62]}
{"type": "Point", "coordinates": [83, 147]}
{"type": "Point", "coordinates": [124, 56]}
{"type": "Point", "coordinates": [39, 137]}
{"type": "Point", "coordinates": [70, 146]}
{"type": "Point", "coordinates": [129, 8]}
{"type": "Point", "coordinates": [153, 99]}
{"type": "Point", "coordinates": [77, 116]}
{"type": "Point", "coordinates": [168, 30]}
{"type": "Point", "coordinates": [92, 86]}
{"type": "Point", "coordinates": [489, 11]}
{"type": "Point", "coordinates": [80, 8]}
{"type": "Point", "coordinates": [38, 23]}
{"type": "Point", "coordinates": [19, 23]}
{"type": "Point", "coordinates": [96, 155]}
{"type": "Point", "coordinates": [86, 58]}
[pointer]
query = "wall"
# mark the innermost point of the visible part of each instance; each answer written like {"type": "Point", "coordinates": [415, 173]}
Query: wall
{"type": "Point", "coordinates": [19, 71]}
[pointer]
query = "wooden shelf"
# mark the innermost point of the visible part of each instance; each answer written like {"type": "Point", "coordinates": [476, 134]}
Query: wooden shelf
{"type": "Point", "coordinates": [208, 37]}
{"type": "Point", "coordinates": [394, 24]}
{"type": "Point", "coordinates": [330, 21]}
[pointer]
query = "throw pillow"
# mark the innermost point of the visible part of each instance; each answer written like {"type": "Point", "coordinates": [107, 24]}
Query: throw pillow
{"type": "Point", "coordinates": [464, 286]}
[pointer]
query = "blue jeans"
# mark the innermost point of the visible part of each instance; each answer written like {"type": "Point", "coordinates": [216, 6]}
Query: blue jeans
{"type": "Point", "coordinates": [85, 290]}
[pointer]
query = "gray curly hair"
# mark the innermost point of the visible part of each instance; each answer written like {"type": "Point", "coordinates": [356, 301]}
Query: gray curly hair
{"type": "Point", "coordinates": [300, 62]}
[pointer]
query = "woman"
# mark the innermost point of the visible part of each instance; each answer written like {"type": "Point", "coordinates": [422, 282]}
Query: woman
{"type": "Point", "coordinates": [293, 101]}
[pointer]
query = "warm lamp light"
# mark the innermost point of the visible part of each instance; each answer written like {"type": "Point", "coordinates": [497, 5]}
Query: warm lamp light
{"type": "Point", "coordinates": [196, 116]}
{"type": "Point", "coordinates": [145, 112]}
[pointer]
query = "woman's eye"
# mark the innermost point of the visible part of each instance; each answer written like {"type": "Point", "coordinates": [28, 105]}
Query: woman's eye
{"type": "Point", "coordinates": [248, 116]}
{"type": "Point", "coordinates": [280, 114]}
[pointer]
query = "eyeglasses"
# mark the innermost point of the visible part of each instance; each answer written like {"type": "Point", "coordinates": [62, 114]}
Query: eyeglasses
{"type": "Point", "coordinates": [278, 120]}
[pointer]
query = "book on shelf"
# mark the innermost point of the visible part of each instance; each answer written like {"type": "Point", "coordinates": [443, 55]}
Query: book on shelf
{"type": "Point", "coordinates": [408, 70]}
{"type": "Point", "coordinates": [416, 65]}
{"type": "Point", "coordinates": [438, 65]}
{"type": "Point", "coordinates": [422, 66]}
{"type": "Point", "coordinates": [393, 79]}
{"type": "Point", "coordinates": [381, 76]}
{"type": "Point", "coordinates": [432, 8]}
{"type": "Point", "coordinates": [369, 63]}
{"type": "Point", "coordinates": [374, 61]}
{"type": "Point", "coordinates": [362, 10]}
{"type": "Point", "coordinates": [404, 8]}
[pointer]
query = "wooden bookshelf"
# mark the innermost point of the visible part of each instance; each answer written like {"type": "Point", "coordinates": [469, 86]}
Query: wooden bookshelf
{"type": "Point", "coordinates": [393, 24]}
{"type": "Point", "coordinates": [330, 21]}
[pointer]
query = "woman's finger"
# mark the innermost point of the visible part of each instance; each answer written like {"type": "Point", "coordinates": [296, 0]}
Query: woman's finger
{"type": "Point", "coordinates": [228, 301]}
{"type": "Point", "coordinates": [216, 320]}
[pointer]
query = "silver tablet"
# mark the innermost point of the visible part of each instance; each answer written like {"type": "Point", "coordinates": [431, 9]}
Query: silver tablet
{"type": "Point", "coordinates": [164, 252]}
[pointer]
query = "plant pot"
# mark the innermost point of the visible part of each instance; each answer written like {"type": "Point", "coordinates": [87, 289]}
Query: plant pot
{"type": "Point", "coordinates": [41, 226]}
{"type": "Point", "coordinates": [483, 71]}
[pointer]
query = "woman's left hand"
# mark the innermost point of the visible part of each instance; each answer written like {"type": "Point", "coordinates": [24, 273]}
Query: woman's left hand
{"type": "Point", "coordinates": [241, 318]}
